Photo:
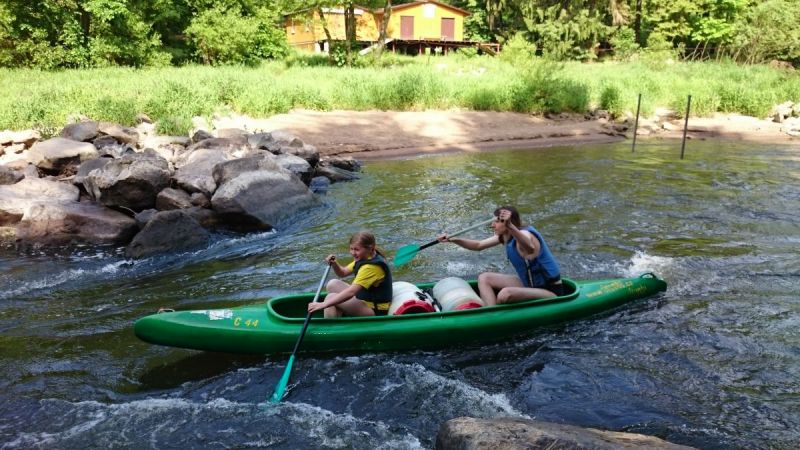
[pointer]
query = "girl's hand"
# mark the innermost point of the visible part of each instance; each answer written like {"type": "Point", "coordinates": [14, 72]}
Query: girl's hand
{"type": "Point", "coordinates": [316, 306]}
{"type": "Point", "coordinates": [330, 259]}
{"type": "Point", "coordinates": [443, 238]}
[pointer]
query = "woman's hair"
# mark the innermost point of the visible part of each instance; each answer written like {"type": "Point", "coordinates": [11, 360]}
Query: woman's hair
{"type": "Point", "coordinates": [514, 217]}
{"type": "Point", "coordinates": [365, 239]}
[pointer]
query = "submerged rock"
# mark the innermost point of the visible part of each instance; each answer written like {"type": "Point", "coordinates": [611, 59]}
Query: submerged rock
{"type": "Point", "coordinates": [467, 433]}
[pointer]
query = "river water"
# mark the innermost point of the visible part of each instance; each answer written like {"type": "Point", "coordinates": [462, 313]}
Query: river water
{"type": "Point", "coordinates": [714, 362]}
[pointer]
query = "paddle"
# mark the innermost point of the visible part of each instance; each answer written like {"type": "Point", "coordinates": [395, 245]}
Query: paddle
{"type": "Point", "coordinates": [408, 252]}
{"type": "Point", "coordinates": [280, 389]}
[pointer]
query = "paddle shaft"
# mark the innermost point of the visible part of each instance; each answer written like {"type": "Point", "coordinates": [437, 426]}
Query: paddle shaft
{"type": "Point", "coordinates": [477, 225]}
{"type": "Point", "coordinates": [280, 389]}
{"type": "Point", "coordinates": [308, 316]}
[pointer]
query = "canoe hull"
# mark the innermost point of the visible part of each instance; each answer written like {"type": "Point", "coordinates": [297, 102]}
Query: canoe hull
{"type": "Point", "coordinates": [275, 326]}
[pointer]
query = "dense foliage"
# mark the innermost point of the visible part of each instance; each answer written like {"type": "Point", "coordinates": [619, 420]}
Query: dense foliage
{"type": "Point", "coordinates": [96, 33]}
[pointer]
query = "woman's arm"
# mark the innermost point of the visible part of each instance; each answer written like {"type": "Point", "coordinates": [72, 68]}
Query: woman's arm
{"type": "Point", "coordinates": [528, 246]}
{"type": "Point", "coordinates": [471, 244]}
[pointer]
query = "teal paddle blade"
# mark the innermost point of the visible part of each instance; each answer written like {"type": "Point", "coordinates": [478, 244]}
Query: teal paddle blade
{"type": "Point", "coordinates": [405, 254]}
{"type": "Point", "coordinates": [280, 389]}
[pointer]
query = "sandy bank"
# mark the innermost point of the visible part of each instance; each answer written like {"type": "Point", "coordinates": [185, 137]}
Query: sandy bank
{"type": "Point", "coordinates": [391, 134]}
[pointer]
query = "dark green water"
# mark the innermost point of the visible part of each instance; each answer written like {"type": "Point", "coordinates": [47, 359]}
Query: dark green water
{"type": "Point", "coordinates": [713, 363]}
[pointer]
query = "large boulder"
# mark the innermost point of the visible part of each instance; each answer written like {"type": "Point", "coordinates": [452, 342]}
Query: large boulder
{"type": "Point", "coordinates": [82, 131]}
{"type": "Point", "coordinates": [259, 199]}
{"type": "Point", "coordinates": [57, 154]}
{"type": "Point", "coordinates": [168, 231]}
{"type": "Point", "coordinates": [9, 175]}
{"type": "Point", "coordinates": [296, 165]}
{"type": "Point", "coordinates": [466, 433]}
{"type": "Point", "coordinates": [196, 175]}
{"type": "Point", "coordinates": [171, 198]}
{"type": "Point", "coordinates": [228, 170]}
{"type": "Point", "coordinates": [123, 135]}
{"type": "Point", "coordinates": [66, 223]}
{"type": "Point", "coordinates": [16, 198]}
{"type": "Point", "coordinates": [88, 166]}
{"type": "Point", "coordinates": [26, 137]}
{"type": "Point", "coordinates": [131, 182]}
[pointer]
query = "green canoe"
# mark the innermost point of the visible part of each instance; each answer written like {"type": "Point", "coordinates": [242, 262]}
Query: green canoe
{"type": "Point", "coordinates": [274, 327]}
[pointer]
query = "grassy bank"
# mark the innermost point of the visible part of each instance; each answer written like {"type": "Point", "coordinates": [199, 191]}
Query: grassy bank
{"type": "Point", "coordinates": [45, 100]}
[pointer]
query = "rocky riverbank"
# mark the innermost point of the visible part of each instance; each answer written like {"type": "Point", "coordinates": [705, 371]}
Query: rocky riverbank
{"type": "Point", "coordinates": [106, 184]}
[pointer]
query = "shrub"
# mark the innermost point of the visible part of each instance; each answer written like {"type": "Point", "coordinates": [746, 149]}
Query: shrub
{"type": "Point", "coordinates": [611, 101]}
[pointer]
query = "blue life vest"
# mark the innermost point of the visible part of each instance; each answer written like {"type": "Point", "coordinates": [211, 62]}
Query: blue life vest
{"type": "Point", "coordinates": [382, 293]}
{"type": "Point", "coordinates": [540, 271]}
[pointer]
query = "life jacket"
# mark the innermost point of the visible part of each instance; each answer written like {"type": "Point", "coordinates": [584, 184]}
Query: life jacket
{"type": "Point", "coordinates": [538, 272]}
{"type": "Point", "coordinates": [382, 293]}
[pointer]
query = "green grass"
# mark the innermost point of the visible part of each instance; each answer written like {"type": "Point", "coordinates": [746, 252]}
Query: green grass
{"type": "Point", "coordinates": [172, 96]}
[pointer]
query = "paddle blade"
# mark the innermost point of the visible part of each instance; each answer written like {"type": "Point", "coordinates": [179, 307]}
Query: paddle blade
{"type": "Point", "coordinates": [280, 389]}
{"type": "Point", "coordinates": [405, 254]}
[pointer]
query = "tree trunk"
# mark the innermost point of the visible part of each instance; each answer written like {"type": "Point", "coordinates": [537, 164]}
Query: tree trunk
{"type": "Point", "coordinates": [86, 24]}
{"type": "Point", "coordinates": [637, 23]}
{"type": "Point", "coordinates": [387, 13]}
{"type": "Point", "coordinates": [328, 37]}
{"type": "Point", "coordinates": [350, 31]}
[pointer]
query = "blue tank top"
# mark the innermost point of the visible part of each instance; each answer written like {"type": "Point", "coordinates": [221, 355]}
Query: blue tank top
{"type": "Point", "coordinates": [538, 272]}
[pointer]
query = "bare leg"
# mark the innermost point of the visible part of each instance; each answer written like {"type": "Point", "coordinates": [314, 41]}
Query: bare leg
{"type": "Point", "coordinates": [490, 282]}
{"type": "Point", "coordinates": [354, 307]}
{"type": "Point", "coordinates": [516, 294]}
{"type": "Point", "coordinates": [333, 287]}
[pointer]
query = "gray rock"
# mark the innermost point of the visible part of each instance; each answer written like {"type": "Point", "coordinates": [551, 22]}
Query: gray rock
{"type": "Point", "coordinates": [466, 433]}
{"type": "Point", "coordinates": [297, 165]}
{"type": "Point", "coordinates": [168, 231]}
{"type": "Point", "coordinates": [26, 137]}
{"type": "Point", "coordinates": [143, 118]}
{"type": "Point", "coordinates": [104, 141]}
{"type": "Point", "coordinates": [307, 152]}
{"type": "Point", "coordinates": [171, 198]}
{"type": "Point", "coordinates": [258, 200]}
{"type": "Point", "coordinates": [264, 141]}
{"type": "Point", "coordinates": [334, 173]}
{"type": "Point", "coordinates": [87, 167]}
{"type": "Point", "coordinates": [124, 135]}
{"type": "Point", "coordinates": [205, 217]}
{"type": "Point", "coordinates": [320, 185]}
{"type": "Point", "coordinates": [132, 181]}
{"type": "Point", "coordinates": [197, 175]}
{"type": "Point", "coordinates": [67, 223]}
{"type": "Point", "coordinates": [15, 149]}
{"type": "Point", "coordinates": [9, 175]}
{"type": "Point", "coordinates": [143, 217]}
{"type": "Point", "coordinates": [201, 135]}
{"type": "Point", "coordinates": [16, 198]}
{"type": "Point", "coordinates": [228, 170]}
{"type": "Point", "coordinates": [199, 199]}
{"type": "Point", "coordinates": [81, 131]}
{"type": "Point", "coordinates": [57, 154]}
{"type": "Point", "coordinates": [232, 133]}
{"type": "Point", "coordinates": [344, 162]}
{"type": "Point", "coordinates": [30, 171]}
{"type": "Point", "coordinates": [286, 139]}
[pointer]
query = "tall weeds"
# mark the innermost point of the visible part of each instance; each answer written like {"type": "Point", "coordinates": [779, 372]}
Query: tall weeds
{"type": "Point", "coordinates": [172, 96]}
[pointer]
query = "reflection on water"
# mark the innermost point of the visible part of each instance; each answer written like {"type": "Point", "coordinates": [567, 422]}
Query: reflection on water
{"type": "Point", "coordinates": [712, 363]}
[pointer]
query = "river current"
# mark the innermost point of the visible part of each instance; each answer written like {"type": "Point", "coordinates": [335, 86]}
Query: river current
{"type": "Point", "coordinates": [713, 363]}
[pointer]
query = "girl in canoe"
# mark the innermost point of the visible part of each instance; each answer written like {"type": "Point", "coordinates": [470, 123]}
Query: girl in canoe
{"type": "Point", "coordinates": [371, 291]}
{"type": "Point", "coordinates": [538, 274]}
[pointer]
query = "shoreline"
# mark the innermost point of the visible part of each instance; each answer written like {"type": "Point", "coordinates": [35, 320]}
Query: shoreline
{"type": "Point", "coordinates": [372, 135]}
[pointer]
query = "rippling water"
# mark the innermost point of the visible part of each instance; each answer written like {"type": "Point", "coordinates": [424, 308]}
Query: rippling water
{"type": "Point", "coordinates": [713, 363]}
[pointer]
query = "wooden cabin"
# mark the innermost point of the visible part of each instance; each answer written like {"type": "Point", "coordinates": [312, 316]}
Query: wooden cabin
{"type": "Point", "coordinates": [412, 28]}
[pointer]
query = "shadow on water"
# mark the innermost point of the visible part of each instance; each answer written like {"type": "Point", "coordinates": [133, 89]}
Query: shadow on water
{"type": "Point", "coordinates": [713, 362]}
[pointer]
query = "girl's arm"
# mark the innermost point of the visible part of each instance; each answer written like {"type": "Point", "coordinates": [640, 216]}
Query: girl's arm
{"type": "Point", "coordinates": [529, 246]}
{"type": "Point", "coordinates": [335, 299]}
{"type": "Point", "coordinates": [340, 270]}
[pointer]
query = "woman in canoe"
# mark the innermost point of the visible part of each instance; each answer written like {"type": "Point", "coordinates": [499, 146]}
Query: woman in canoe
{"type": "Point", "coordinates": [538, 274]}
{"type": "Point", "coordinates": [371, 291]}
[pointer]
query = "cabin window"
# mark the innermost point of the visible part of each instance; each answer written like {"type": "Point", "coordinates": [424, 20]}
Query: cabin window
{"type": "Point", "coordinates": [429, 10]}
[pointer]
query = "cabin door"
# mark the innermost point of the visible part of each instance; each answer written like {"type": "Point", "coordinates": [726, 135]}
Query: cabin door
{"type": "Point", "coordinates": [406, 27]}
{"type": "Point", "coordinates": [448, 29]}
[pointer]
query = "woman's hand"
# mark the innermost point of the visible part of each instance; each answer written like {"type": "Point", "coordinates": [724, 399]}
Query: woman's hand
{"type": "Point", "coordinates": [504, 215]}
{"type": "Point", "coordinates": [443, 238]}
